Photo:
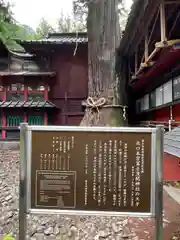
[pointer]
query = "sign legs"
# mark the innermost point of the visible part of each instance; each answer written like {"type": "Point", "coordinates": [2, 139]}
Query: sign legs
{"type": "Point", "coordinates": [159, 182]}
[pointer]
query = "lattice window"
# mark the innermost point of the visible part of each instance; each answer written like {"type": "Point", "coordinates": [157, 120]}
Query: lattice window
{"type": "Point", "coordinates": [14, 120]}
{"type": "Point", "coordinates": [15, 92]}
{"type": "Point", "coordinates": [36, 120]}
{"type": "Point", "coordinates": [146, 102]}
{"type": "Point", "coordinates": [35, 97]}
{"type": "Point", "coordinates": [39, 88]}
{"type": "Point", "coordinates": [167, 92]}
{"type": "Point", "coordinates": [15, 97]}
{"type": "Point", "coordinates": [159, 96]}
{"type": "Point", "coordinates": [17, 87]}
{"type": "Point", "coordinates": [176, 88]}
{"type": "Point", "coordinates": [153, 99]}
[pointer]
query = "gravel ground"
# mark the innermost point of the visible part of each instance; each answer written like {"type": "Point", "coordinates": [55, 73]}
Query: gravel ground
{"type": "Point", "coordinates": [51, 227]}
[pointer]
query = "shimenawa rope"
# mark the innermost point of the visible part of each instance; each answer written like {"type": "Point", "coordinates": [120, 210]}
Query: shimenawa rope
{"type": "Point", "coordinates": [101, 102]}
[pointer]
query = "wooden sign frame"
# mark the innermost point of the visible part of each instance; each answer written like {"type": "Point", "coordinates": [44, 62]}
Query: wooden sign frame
{"type": "Point", "coordinates": [156, 150]}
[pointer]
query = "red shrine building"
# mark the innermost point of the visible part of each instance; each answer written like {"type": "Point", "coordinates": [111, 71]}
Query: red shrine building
{"type": "Point", "coordinates": [44, 85]}
{"type": "Point", "coordinates": [150, 49]}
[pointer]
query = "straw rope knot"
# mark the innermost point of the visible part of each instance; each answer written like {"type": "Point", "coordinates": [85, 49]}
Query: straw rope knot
{"type": "Point", "coordinates": [101, 102]}
{"type": "Point", "coordinates": [95, 104]}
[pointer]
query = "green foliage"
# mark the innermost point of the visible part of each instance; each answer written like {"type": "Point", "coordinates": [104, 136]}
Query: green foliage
{"type": "Point", "coordinates": [65, 23]}
{"type": "Point", "coordinates": [24, 32]}
{"type": "Point", "coordinates": [8, 237]}
{"type": "Point", "coordinates": [8, 28]}
{"type": "Point", "coordinates": [80, 10]}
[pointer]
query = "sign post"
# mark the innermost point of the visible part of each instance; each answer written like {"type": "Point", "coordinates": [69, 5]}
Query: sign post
{"type": "Point", "coordinates": [92, 170]}
{"type": "Point", "coordinates": [159, 182]}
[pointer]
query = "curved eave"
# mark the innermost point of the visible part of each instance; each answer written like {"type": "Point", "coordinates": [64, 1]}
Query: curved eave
{"type": "Point", "coordinates": [10, 73]}
{"type": "Point", "coordinates": [166, 60]}
{"type": "Point", "coordinates": [21, 55]}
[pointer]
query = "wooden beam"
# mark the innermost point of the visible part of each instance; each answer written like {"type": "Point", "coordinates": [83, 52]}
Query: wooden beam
{"type": "Point", "coordinates": [141, 30]}
{"type": "Point", "coordinates": [148, 64]}
{"type": "Point", "coordinates": [149, 60]}
{"type": "Point", "coordinates": [130, 36]}
{"type": "Point", "coordinates": [136, 61]}
{"type": "Point", "coordinates": [146, 49]}
{"type": "Point", "coordinates": [163, 22]}
{"type": "Point", "coordinates": [172, 2]}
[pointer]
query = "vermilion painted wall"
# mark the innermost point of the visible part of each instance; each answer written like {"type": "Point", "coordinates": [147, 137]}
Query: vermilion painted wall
{"type": "Point", "coordinates": [164, 113]}
{"type": "Point", "coordinates": [176, 112]}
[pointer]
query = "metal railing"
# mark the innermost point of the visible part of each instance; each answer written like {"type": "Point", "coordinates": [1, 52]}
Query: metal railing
{"type": "Point", "coordinates": [168, 125]}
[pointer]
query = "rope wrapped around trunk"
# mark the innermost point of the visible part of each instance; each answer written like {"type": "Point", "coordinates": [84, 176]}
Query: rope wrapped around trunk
{"type": "Point", "coordinates": [101, 103]}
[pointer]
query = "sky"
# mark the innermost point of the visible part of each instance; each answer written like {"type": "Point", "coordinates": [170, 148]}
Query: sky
{"type": "Point", "coordinates": [30, 12]}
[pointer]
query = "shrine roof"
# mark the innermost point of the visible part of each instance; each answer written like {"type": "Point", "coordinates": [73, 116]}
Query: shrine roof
{"type": "Point", "coordinates": [27, 104]}
{"type": "Point", "coordinates": [61, 38]}
{"type": "Point", "coordinates": [172, 142]}
{"type": "Point", "coordinates": [140, 16]}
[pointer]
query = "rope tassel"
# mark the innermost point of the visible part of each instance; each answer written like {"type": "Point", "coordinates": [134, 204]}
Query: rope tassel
{"type": "Point", "coordinates": [101, 102]}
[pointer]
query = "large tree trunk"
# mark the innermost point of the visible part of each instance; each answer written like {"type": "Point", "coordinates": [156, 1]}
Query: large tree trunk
{"type": "Point", "coordinates": [104, 38]}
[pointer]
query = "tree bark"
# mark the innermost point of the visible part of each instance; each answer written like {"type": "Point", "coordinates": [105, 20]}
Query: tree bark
{"type": "Point", "coordinates": [104, 38]}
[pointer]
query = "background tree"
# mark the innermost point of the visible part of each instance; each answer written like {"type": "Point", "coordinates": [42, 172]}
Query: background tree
{"type": "Point", "coordinates": [103, 26]}
{"type": "Point", "coordinates": [80, 10]}
{"type": "Point", "coordinates": [67, 23]}
{"type": "Point", "coordinates": [43, 29]}
{"type": "Point", "coordinates": [8, 27]}
{"type": "Point", "coordinates": [24, 32]}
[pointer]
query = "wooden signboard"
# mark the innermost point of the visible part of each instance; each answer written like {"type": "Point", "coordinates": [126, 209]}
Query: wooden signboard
{"type": "Point", "coordinates": [90, 170]}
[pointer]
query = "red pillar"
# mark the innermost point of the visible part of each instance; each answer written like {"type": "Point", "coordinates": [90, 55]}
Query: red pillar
{"type": "Point", "coordinates": [3, 124]}
{"type": "Point", "coordinates": [46, 93]}
{"type": "Point", "coordinates": [45, 119]}
{"type": "Point", "coordinates": [25, 99]}
{"type": "Point", "coordinates": [46, 99]}
{"type": "Point", "coordinates": [4, 94]}
{"type": "Point", "coordinates": [4, 115]}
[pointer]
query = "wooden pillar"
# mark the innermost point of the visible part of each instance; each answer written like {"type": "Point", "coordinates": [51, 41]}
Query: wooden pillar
{"type": "Point", "coordinates": [4, 94]}
{"type": "Point", "coordinates": [25, 93]}
{"type": "Point", "coordinates": [25, 99]}
{"type": "Point", "coordinates": [4, 115]}
{"type": "Point", "coordinates": [146, 50]}
{"type": "Point", "coordinates": [46, 93]}
{"type": "Point", "coordinates": [163, 21]}
{"type": "Point", "coordinates": [136, 62]}
{"type": "Point", "coordinates": [3, 124]}
{"type": "Point", "coordinates": [45, 119]}
{"type": "Point", "coordinates": [46, 99]}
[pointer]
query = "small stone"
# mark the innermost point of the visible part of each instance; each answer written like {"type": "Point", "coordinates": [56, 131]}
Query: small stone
{"type": "Point", "coordinates": [40, 229]}
{"type": "Point", "coordinates": [116, 227]}
{"type": "Point", "coordinates": [10, 214]}
{"type": "Point", "coordinates": [102, 234]}
{"type": "Point", "coordinates": [8, 198]}
{"type": "Point", "coordinates": [56, 231]}
{"type": "Point", "coordinates": [73, 228]}
{"type": "Point", "coordinates": [125, 222]}
{"type": "Point", "coordinates": [63, 230]}
{"type": "Point", "coordinates": [48, 231]}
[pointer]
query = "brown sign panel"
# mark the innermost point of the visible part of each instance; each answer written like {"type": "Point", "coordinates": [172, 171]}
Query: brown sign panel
{"type": "Point", "coordinates": [91, 171]}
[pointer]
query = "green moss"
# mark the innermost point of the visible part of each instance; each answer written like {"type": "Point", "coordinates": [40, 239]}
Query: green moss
{"type": "Point", "coordinates": [117, 118]}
